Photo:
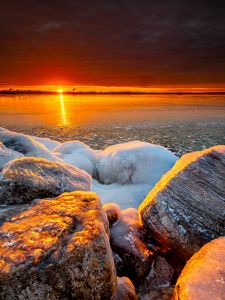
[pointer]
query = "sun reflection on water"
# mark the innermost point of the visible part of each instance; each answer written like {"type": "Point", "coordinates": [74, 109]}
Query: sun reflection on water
{"type": "Point", "coordinates": [64, 119]}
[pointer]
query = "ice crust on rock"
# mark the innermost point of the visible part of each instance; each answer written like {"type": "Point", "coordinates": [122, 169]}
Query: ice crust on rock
{"type": "Point", "coordinates": [123, 173]}
{"type": "Point", "coordinates": [7, 155]}
{"type": "Point", "coordinates": [48, 143]}
{"type": "Point", "coordinates": [28, 178]}
{"type": "Point", "coordinates": [134, 162]}
{"type": "Point", "coordinates": [25, 145]}
{"type": "Point", "coordinates": [77, 154]}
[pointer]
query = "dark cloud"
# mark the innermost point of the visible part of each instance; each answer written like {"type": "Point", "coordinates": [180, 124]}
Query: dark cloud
{"type": "Point", "coordinates": [116, 42]}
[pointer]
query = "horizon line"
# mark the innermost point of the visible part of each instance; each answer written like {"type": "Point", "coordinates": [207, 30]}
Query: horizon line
{"type": "Point", "coordinates": [43, 92]}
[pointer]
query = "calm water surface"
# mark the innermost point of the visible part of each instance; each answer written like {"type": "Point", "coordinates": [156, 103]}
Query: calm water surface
{"type": "Point", "coordinates": [180, 122]}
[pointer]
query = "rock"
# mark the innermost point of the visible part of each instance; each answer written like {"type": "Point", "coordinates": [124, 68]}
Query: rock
{"type": "Point", "coordinates": [113, 212]}
{"type": "Point", "coordinates": [164, 294]}
{"type": "Point", "coordinates": [132, 257]}
{"type": "Point", "coordinates": [25, 145]}
{"type": "Point", "coordinates": [158, 282]}
{"type": "Point", "coordinates": [125, 290]}
{"type": "Point", "coordinates": [186, 209]}
{"type": "Point", "coordinates": [204, 274]}
{"type": "Point", "coordinates": [58, 249]}
{"type": "Point", "coordinates": [6, 212]}
{"type": "Point", "coordinates": [6, 155]}
{"type": "Point", "coordinates": [25, 179]}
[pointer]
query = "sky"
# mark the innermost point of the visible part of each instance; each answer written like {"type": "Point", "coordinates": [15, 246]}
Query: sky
{"type": "Point", "coordinates": [129, 43]}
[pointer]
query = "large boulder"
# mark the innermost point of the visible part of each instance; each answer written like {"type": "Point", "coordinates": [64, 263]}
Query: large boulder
{"type": "Point", "coordinates": [204, 274]}
{"type": "Point", "coordinates": [58, 249]}
{"type": "Point", "coordinates": [132, 257]}
{"type": "Point", "coordinates": [7, 155]}
{"type": "Point", "coordinates": [186, 209]}
{"type": "Point", "coordinates": [27, 178]}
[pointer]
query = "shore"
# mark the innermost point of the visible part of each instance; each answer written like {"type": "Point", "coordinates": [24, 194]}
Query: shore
{"type": "Point", "coordinates": [179, 137]}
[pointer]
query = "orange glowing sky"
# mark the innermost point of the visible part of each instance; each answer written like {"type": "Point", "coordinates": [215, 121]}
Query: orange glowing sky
{"type": "Point", "coordinates": [112, 44]}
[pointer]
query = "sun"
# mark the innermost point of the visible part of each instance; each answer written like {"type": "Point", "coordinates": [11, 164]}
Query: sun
{"type": "Point", "coordinates": [60, 91]}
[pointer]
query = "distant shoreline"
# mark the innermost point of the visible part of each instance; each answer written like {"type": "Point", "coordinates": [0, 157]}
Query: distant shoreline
{"type": "Point", "coordinates": [33, 92]}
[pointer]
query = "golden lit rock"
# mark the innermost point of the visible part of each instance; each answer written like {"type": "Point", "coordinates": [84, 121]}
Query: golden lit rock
{"type": "Point", "coordinates": [204, 274]}
{"type": "Point", "coordinates": [186, 208]}
{"type": "Point", "coordinates": [58, 249]}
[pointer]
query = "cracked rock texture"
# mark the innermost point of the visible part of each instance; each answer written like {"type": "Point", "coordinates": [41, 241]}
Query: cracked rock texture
{"type": "Point", "coordinates": [28, 178]}
{"type": "Point", "coordinates": [186, 209]}
{"type": "Point", "coordinates": [58, 249]}
{"type": "Point", "coordinates": [204, 274]}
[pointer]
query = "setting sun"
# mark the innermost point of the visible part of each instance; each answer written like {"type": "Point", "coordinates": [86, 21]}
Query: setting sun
{"type": "Point", "coordinates": [60, 91]}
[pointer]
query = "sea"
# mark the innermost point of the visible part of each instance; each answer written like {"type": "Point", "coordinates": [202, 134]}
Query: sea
{"type": "Point", "coordinates": [180, 122]}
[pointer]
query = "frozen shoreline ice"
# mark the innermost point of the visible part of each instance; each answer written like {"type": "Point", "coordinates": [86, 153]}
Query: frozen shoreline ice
{"type": "Point", "coordinates": [123, 173]}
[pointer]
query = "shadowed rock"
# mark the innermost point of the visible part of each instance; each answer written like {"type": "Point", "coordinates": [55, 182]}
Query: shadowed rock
{"type": "Point", "coordinates": [125, 290]}
{"type": "Point", "coordinates": [204, 274]}
{"type": "Point", "coordinates": [186, 209]}
{"type": "Point", "coordinates": [158, 283]}
{"type": "Point", "coordinates": [58, 249]}
{"type": "Point", "coordinates": [25, 179]}
{"type": "Point", "coordinates": [6, 212]}
{"type": "Point", "coordinates": [132, 257]}
{"type": "Point", "coordinates": [113, 212]}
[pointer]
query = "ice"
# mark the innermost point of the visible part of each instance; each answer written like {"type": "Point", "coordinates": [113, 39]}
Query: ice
{"type": "Point", "coordinates": [125, 195]}
{"type": "Point", "coordinates": [134, 162]}
{"type": "Point", "coordinates": [25, 145]}
{"type": "Point", "coordinates": [77, 154]}
{"type": "Point", "coordinates": [124, 173]}
{"type": "Point", "coordinates": [25, 179]}
{"type": "Point", "coordinates": [48, 143]}
{"type": "Point", "coordinates": [7, 155]}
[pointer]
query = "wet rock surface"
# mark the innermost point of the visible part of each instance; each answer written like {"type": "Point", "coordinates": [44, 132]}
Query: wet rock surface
{"type": "Point", "coordinates": [186, 208]}
{"type": "Point", "coordinates": [132, 257]}
{"type": "Point", "coordinates": [204, 274]}
{"type": "Point", "coordinates": [25, 179]}
{"type": "Point", "coordinates": [58, 249]}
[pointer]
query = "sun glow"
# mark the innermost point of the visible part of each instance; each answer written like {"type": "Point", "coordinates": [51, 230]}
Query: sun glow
{"type": "Point", "coordinates": [60, 91]}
